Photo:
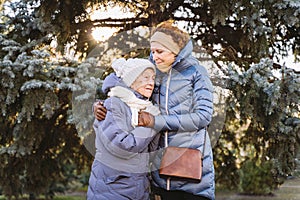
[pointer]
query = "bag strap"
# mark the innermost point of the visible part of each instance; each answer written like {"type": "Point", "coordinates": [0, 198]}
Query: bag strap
{"type": "Point", "coordinates": [204, 144]}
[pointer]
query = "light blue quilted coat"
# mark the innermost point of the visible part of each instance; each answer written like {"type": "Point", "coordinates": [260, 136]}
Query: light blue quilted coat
{"type": "Point", "coordinates": [185, 97]}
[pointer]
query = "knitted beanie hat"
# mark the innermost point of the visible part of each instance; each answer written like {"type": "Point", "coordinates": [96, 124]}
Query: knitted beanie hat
{"type": "Point", "coordinates": [130, 69]}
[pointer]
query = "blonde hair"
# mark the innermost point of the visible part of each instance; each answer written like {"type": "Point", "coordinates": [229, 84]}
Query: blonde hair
{"type": "Point", "coordinates": [179, 36]}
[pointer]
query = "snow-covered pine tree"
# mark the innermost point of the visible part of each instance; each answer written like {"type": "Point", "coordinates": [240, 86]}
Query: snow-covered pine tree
{"type": "Point", "coordinates": [38, 143]}
{"type": "Point", "coordinates": [264, 138]}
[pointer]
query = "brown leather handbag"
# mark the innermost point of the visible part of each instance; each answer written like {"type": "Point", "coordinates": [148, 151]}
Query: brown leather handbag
{"type": "Point", "coordinates": [182, 162]}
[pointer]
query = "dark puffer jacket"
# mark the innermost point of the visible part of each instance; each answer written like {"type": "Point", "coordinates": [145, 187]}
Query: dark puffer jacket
{"type": "Point", "coordinates": [185, 97]}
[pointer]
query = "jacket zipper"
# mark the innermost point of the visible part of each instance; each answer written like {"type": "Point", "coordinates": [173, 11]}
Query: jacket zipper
{"type": "Point", "coordinates": [167, 112]}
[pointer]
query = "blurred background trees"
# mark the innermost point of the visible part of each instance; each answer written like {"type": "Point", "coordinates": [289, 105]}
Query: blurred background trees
{"type": "Point", "coordinates": [49, 63]}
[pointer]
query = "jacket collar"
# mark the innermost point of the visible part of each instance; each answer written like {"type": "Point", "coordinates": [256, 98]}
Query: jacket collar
{"type": "Point", "coordinates": [185, 58]}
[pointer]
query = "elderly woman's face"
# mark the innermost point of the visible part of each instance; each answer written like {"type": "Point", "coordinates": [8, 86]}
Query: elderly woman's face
{"type": "Point", "coordinates": [144, 84]}
{"type": "Point", "coordinates": [162, 56]}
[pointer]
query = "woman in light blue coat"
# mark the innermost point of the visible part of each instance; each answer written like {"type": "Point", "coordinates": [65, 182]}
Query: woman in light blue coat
{"type": "Point", "coordinates": [184, 94]}
{"type": "Point", "coordinates": [120, 170]}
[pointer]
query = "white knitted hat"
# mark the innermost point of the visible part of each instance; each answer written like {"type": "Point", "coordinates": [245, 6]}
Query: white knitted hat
{"type": "Point", "coordinates": [130, 69]}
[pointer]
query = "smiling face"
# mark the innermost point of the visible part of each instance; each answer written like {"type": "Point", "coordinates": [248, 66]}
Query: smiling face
{"type": "Point", "coordinates": [162, 56]}
{"type": "Point", "coordinates": [144, 84]}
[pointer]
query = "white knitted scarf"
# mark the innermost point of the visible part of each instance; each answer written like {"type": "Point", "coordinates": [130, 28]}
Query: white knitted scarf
{"type": "Point", "coordinates": [135, 104]}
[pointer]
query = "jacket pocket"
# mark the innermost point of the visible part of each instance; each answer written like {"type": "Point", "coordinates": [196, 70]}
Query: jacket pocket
{"type": "Point", "coordinates": [128, 186]}
{"type": "Point", "coordinates": [117, 178]}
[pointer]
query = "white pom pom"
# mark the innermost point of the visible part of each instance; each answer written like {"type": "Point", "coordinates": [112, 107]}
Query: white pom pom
{"type": "Point", "coordinates": [118, 66]}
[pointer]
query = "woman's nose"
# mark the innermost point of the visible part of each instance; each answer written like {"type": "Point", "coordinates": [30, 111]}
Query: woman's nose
{"type": "Point", "coordinates": [154, 56]}
{"type": "Point", "coordinates": [151, 81]}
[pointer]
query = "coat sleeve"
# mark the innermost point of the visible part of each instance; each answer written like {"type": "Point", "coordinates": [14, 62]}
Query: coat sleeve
{"type": "Point", "coordinates": [202, 108]}
{"type": "Point", "coordinates": [117, 134]}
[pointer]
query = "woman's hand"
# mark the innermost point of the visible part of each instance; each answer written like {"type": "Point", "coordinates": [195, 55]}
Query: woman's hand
{"type": "Point", "coordinates": [99, 111]}
{"type": "Point", "coordinates": [146, 119]}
